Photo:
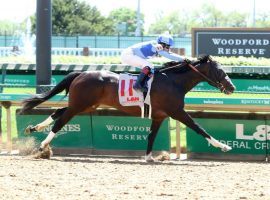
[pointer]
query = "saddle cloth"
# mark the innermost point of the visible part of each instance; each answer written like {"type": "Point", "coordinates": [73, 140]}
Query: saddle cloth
{"type": "Point", "coordinates": [130, 97]}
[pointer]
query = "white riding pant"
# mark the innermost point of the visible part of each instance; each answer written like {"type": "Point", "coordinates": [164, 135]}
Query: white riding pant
{"type": "Point", "coordinates": [128, 57]}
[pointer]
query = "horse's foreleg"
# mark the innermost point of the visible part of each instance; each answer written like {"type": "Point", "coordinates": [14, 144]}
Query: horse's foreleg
{"type": "Point", "coordinates": [185, 118]}
{"type": "Point", "coordinates": [46, 122]}
{"type": "Point", "coordinates": [151, 138]}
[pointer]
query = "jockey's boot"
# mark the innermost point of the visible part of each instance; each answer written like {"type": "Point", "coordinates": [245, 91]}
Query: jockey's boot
{"type": "Point", "coordinates": [140, 82]}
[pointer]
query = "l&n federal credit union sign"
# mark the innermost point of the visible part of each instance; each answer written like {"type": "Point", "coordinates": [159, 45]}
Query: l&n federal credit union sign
{"type": "Point", "coordinates": [228, 42]}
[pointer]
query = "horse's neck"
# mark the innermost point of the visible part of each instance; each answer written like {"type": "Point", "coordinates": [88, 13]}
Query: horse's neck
{"type": "Point", "coordinates": [188, 80]}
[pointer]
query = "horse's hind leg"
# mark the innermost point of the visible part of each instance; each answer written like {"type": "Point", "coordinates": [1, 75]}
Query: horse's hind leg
{"type": "Point", "coordinates": [67, 114]}
{"type": "Point", "coordinates": [46, 122]}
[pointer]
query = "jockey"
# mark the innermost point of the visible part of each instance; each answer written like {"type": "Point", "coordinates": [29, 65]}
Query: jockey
{"type": "Point", "coordinates": [138, 54]}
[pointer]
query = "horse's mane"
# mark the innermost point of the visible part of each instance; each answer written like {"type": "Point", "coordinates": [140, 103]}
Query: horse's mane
{"type": "Point", "coordinates": [178, 67]}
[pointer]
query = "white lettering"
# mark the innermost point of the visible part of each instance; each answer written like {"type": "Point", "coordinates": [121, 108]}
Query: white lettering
{"type": "Point", "coordinates": [240, 133]}
{"type": "Point", "coordinates": [223, 42]}
{"type": "Point", "coordinates": [251, 42]}
{"type": "Point", "coordinates": [220, 51]}
{"type": "Point", "coordinates": [237, 144]}
{"type": "Point", "coordinates": [120, 137]}
{"type": "Point", "coordinates": [231, 42]}
{"type": "Point", "coordinates": [262, 51]}
{"type": "Point", "coordinates": [66, 128]}
{"type": "Point", "coordinates": [259, 145]}
{"type": "Point", "coordinates": [265, 42]}
{"type": "Point", "coordinates": [109, 127]}
{"type": "Point", "coordinates": [240, 51]}
{"type": "Point", "coordinates": [234, 51]}
{"type": "Point", "coordinates": [254, 51]}
{"type": "Point", "coordinates": [216, 41]}
{"type": "Point", "coordinates": [237, 42]}
{"type": "Point", "coordinates": [141, 129]}
{"type": "Point", "coordinates": [247, 51]}
{"type": "Point", "coordinates": [116, 128]}
{"type": "Point", "coordinates": [129, 137]}
{"type": "Point", "coordinates": [262, 133]}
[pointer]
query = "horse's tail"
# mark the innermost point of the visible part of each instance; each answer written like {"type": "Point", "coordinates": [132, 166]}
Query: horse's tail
{"type": "Point", "coordinates": [34, 101]}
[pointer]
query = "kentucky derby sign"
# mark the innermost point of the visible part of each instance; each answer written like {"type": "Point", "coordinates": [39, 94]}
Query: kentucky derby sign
{"type": "Point", "coordinates": [247, 42]}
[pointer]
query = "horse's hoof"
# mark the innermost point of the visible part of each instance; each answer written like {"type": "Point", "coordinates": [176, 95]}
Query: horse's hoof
{"type": "Point", "coordinates": [29, 129]}
{"type": "Point", "coordinates": [149, 158]}
{"type": "Point", "coordinates": [164, 156]}
{"type": "Point", "coordinates": [226, 148]}
{"type": "Point", "coordinates": [44, 153]}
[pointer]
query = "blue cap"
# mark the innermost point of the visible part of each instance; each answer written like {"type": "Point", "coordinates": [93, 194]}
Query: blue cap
{"type": "Point", "coordinates": [165, 38]}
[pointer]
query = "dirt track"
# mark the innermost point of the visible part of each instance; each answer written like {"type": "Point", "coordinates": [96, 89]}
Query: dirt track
{"type": "Point", "coordinates": [22, 177]}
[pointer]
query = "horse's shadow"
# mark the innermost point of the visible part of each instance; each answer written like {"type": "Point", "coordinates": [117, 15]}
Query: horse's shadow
{"type": "Point", "coordinates": [137, 161]}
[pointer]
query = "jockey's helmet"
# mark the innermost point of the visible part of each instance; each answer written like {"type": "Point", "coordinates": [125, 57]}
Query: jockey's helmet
{"type": "Point", "coordinates": [165, 39]}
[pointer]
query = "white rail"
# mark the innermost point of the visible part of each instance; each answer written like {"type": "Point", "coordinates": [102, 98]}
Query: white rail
{"type": "Point", "coordinates": [98, 52]}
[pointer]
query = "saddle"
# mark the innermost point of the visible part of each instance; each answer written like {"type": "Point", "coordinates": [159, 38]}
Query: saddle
{"type": "Point", "coordinates": [130, 97]}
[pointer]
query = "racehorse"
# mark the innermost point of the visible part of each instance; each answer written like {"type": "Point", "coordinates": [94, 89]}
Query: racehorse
{"type": "Point", "coordinates": [88, 90]}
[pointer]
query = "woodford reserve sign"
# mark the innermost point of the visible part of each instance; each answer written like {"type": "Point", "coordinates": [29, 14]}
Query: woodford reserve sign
{"type": "Point", "coordinates": [245, 42]}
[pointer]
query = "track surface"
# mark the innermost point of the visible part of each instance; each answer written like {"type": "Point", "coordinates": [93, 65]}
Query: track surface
{"type": "Point", "coordinates": [22, 177]}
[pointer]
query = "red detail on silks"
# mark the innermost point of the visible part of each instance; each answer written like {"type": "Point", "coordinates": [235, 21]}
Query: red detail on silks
{"type": "Point", "coordinates": [133, 99]}
{"type": "Point", "coordinates": [146, 70]}
{"type": "Point", "coordinates": [130, 89]}
{"type": "Point", "coordinates": [123, 88]}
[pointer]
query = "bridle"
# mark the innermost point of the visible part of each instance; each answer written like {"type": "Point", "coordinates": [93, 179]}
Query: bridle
{"type": "Point", "coordinates": [216, 84]}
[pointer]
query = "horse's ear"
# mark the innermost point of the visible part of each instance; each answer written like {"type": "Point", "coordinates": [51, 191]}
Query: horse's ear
{"type": "Point", "coordinates": [204, 58]}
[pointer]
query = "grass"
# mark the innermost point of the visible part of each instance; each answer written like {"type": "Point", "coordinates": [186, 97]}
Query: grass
{"type": "Point", "coordinates": [82, 60]}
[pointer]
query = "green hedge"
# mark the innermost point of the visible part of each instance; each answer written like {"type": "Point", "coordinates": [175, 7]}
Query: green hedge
{"type": "Point", "coordinates": [232, 61]}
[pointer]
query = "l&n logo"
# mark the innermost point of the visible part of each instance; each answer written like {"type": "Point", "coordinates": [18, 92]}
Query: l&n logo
{"type": "Point", "coordinates": [262, 133]}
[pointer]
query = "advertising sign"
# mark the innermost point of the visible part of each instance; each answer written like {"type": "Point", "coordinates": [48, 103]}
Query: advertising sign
{"type": "Point", "coordinates": [245, 136]}
{"type": "Point", "coordinates": [247, 85]}
{"type": "Point", "coordinates": [127, 133]}
{"type": "Point", "coordinates": [75, 134]}
{"type": "Point", "coordinates": [245, 42]}
{"type": "Point", "coordinates": [29, 80]}
{"type": "Point", "coordinates": [103, 131]}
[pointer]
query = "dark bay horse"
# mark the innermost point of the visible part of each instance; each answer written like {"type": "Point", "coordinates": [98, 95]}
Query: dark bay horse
{"type": "Point", "coordinates": [88, 90]}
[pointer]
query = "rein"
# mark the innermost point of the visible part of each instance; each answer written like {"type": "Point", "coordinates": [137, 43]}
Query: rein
{"type": "Point", "coordinates": [218, 85]}
{"type": "Point", "coordinates": [169, 68]}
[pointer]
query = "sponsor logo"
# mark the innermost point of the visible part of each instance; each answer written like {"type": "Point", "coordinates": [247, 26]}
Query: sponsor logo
{"type": "Point", "coordinates": [66, 129]}
{"type": "Point", "coordinates": [133, 99]}
{"type": "Point", "coordinates": [262, 133]}
{"type": "Point", "coordinates": [255, 141]}
{"type": "Point", "coordinates": [255, 101]}
{"type": "Point", "coordinates": [208, 101]}
{"type": "Point", "coordinates": [240, 42]}
{"type": "Point", "coordinates": [259, 88]}
{"type": "Point", "coordinates": [233, 42]}
{"type": "Point", "coordinates": [128, 133]}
